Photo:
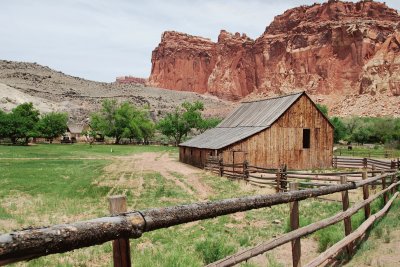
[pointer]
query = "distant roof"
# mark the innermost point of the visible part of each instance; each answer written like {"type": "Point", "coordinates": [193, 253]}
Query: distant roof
{"type": "Point", "coordinates": [245, 121]}
{"type": "Point", "coordinates": [75, 128]}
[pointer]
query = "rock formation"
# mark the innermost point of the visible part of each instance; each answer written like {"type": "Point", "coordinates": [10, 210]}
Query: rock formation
{"type": "Point", "coordinates": [331, 48]}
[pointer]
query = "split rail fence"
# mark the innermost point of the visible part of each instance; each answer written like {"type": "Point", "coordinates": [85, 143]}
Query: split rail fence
{"type": "Point", "coordinates": [36, 242]}
{"type": "Point", "coordinates": [280, 177]}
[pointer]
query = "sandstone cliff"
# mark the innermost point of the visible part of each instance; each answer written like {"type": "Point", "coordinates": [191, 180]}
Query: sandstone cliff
{"type": "Point", "coordinates": [335, 48]}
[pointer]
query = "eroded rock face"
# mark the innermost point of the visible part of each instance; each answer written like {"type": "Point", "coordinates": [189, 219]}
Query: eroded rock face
{"type": "Point", "coordinates": [335, 47]}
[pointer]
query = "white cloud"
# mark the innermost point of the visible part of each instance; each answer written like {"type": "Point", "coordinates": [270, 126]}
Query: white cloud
{"type": "Point", "coordinates": [102, 39]}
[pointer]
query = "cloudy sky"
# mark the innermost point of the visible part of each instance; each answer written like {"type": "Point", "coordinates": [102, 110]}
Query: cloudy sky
{"type": "Point", "coordinates": [102, 39]}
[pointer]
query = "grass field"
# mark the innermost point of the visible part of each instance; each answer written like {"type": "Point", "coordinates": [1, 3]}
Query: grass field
{"type": "Point", "coordinates": [50, 184]}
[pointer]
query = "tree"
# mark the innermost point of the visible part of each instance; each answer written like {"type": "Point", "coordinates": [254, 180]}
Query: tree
{"type": "Point", "coordinates": [21, 122]}
{"type": "Point", "coordinates": [340, 129]}
{"type": "Point", "coordinates": [208, 123]}
{"type": "Point", "coordinates": [52, 125]}
{"type": "Point", "coordinates": [179, 123]}
{"type": "Point", "coordinates": [121, 121]}
{"type": "Point", "coordinates": [324, 109]}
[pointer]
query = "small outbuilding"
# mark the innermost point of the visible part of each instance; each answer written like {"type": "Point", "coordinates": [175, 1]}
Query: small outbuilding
{"type": "Point", "coordinates": [288, 129]}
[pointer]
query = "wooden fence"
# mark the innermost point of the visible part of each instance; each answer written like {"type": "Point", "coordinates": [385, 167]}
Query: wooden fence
{"type": "Point", "coordinates": [368, 153]}
{"type": "Point", "coordinates": [280, 177]}
{"type": "Point", "coordinates": [36, 242]}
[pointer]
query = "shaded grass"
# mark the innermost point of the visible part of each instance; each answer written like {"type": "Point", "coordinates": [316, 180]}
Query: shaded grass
{"type": "Point", "coordinates": [76, 150]}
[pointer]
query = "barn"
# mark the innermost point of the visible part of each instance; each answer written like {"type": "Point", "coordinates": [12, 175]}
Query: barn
{"type": "Point", "coordinates": [288, 129]}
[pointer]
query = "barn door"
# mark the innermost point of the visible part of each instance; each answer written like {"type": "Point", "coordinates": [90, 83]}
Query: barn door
{"type": "Point", "coordinates": [238, 158]}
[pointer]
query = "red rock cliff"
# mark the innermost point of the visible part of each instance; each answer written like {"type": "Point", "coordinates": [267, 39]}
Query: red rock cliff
{"type": "Point", "coordinates": [323, 48]}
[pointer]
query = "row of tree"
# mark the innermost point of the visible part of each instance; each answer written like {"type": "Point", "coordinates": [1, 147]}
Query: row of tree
{"type": "Point", "coordinates": [384, 130]}
{"type": "Point", "coordinates": [124, 120]}
{"type": "Point", "coordinates": [25, 121]}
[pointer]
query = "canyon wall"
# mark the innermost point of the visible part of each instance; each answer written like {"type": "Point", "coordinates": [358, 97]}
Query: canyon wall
{"type": "Point", "coordinates": [332, 48]}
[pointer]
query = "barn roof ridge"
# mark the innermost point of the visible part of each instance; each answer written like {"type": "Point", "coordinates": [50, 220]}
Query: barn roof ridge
{"type": "Point", "coordinates": [275, 97]}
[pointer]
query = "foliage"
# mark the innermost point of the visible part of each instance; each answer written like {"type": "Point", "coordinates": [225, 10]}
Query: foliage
{"type": "Point", "coordinates": [179, 123]}
{"type": "Point", "coordinates": [208, 123]}
{"type": "Point", "coordinates": [52, 125]}
{"type": "Point", "coordinates": [122, 121]}
{"type": "Point", "coordinates": [324, 109]}
{"type": "Point", "coordinates": [340, 129]}
{"type": "Point", "coordinates": [20, 123]}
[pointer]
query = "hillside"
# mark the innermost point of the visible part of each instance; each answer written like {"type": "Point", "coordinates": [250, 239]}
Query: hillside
{"type": "Point", "coordinates": [53, 90]}
{"type": "Point", "coordinates": [344, 54]}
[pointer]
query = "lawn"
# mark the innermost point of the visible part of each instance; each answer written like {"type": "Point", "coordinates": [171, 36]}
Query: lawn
{"type": "Point", "coordinates": [67, 183]}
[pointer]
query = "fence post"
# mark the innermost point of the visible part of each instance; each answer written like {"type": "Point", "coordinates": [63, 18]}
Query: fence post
{"type": "Point", "coordinates": [221, 167]}
{"type": "Point", "coordinates": [398, 163]}
{"type": "Point", "coordinates": [121, 248]}
{"type": "Point", "coordinates": [367, 208]}
{"type": "Point", "coordinates": [385, 195]}
{"type": "Point", "coordinates": [335, 162]}
{"type": "Point", "coordinates": [294, 224]}
{"type": "Point", "coordinates": [245, 169]}
{"type": "Point", "coordinates": [347, 220]}
{"type": "Point", "coordinates": [365, 163]}
{"type": "Point", "coordinates": [278, 180]}
{"type": "Point", "coordinates": [392, 164]}
{"type": "Point", "coordinates": [373, 175]}
{"type": "Point", "coordinates": [284, 178]}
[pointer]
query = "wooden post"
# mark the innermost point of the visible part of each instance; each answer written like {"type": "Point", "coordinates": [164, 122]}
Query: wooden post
{"type": "Point", "coordinates": [373, 175]}
{"type": "Point", "coordinates": [365, 163]}
{"type": "Point", "coordinates": [284, 178]}
{"type": "Point", "coordinates": [347, 220]}
{"type": "Point", "coordinates": [121, 248]}
{"type": "Point", "coordinates": [385, 195]}
{"type": "Point", "coordinates": [335, 162]}
{"type": "Point", "coordinates": [221, 167]}
{"type": "Point", "coordinates": [278, 180]}
{"type": "Point", "coordinates": [245, 169]}
{"type": "Point", "coordinates": [295, 224]}
{"type": "Point", "coordinates": [392, 164]}
{"type": "Point", "coordinates": [367, 208]}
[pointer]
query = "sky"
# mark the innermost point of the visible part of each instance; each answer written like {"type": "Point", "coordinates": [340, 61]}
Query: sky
{"type": "Point", "coordinates": [102, 39]}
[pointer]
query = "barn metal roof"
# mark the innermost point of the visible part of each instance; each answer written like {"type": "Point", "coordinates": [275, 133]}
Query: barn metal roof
{"type": "Point", "coordinates": [245, 121]}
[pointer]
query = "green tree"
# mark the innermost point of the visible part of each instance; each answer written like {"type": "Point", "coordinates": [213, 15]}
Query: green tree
{"type": "Point", "coordinates": [324, 109]}
{"type": "Point", "coordinates": [21, 122]}
{"type": "Point", "coordinates": [121, 121]}
{"type": "Point", "coordinates": [208, 123]}
{"type": "Point", "coordinates": [179, 123]}
{"type": "Point", "coordinates": [52, 125]}
{"type": "Point", "coordinates": [340, 129]}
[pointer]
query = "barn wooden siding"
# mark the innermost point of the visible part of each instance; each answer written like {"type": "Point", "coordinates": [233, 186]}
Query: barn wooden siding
{"type": "Point", "coordinates": [282, 143]}
{"type": "Point", "coordinates": [194, 156]}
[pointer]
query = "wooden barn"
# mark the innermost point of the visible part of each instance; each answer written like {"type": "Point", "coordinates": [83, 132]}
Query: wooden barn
{"type": "Point", "coordinates": [267, 133]}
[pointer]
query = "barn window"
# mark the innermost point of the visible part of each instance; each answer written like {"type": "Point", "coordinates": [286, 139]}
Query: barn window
{"type": "Point", "coordinates": [306, 138]}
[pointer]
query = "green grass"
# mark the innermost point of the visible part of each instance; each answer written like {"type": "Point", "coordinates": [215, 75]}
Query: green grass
{"type": "Point", "coordinates": [76, 150]}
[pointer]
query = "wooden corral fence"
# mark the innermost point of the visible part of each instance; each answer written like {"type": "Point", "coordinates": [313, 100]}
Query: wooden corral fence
{"type": "Point", "coordinates": [280, 177]}
{"type": "Point", "coordinates": [366, 153]}
{"type": "Point", "coordinates": [36, 242]}
{"type": "Point", "coordinates": [366, 163]}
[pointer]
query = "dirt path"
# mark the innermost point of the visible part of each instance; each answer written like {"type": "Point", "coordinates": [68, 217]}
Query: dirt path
{"type": "Point", "coordinates": [123, 169]}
